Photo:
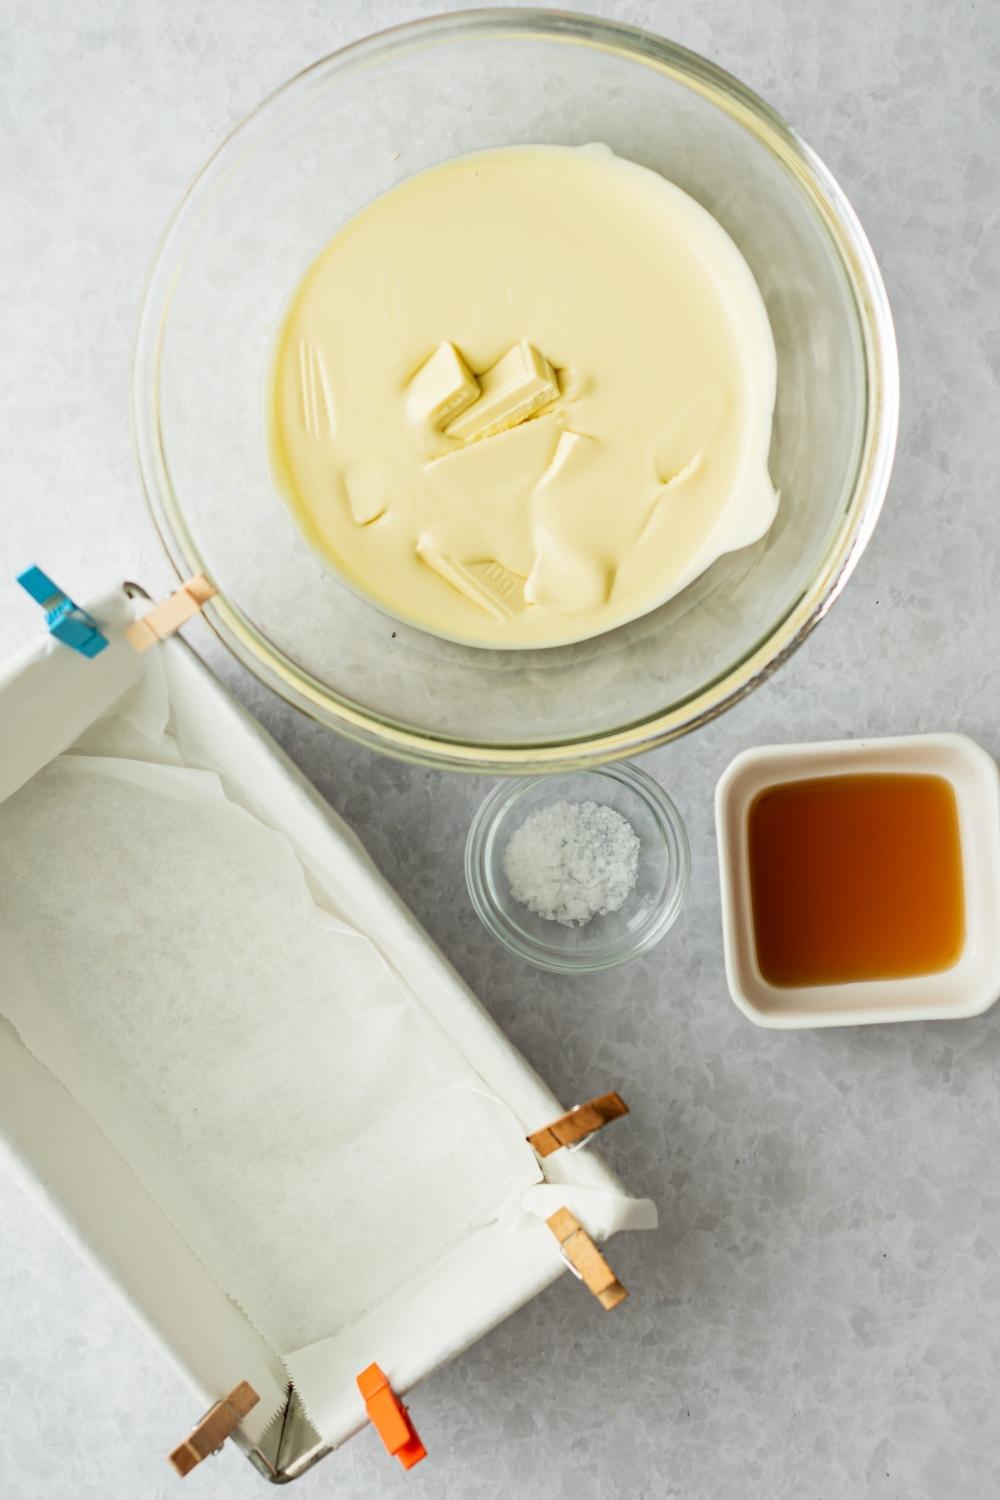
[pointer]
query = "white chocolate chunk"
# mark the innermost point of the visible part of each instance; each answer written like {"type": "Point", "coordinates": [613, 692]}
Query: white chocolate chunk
{"type": "Point", "coordinates": [314, 391]}
{"type": "Point", "coordinates": [671, 481]}
{"type": "Point", "coordinates": [561, 579]}
{"type": "Point", "coordinates": [566, 577]}
{"type": "Point", "coordinates": [511, 391]}
{"type": "Point", "coordinates": [573, 383]}
{"type": "Point", "coordinates": [366, 494]}
{"type": "Point", "coordinates": [572, 450]}
{"type": "Point", "coordinates": [486, 582]}
{"type": "Point", "coordinates": [504, 587]}
{"type": "Point", "coordinates": [567, 574]}
{"type": "Point", "coordinates": [509, 464]}
{"type": "Point", "coordinates": [441, 388]}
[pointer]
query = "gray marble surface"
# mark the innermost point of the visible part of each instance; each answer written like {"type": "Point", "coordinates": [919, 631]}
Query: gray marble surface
{"type": "Point", "coordinates": [819, 1316]}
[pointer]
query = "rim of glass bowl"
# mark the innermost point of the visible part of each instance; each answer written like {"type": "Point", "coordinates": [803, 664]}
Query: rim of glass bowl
{"type": "Point", "coordinates": [479, 849]}
{"type": "Point", "coordinates": [860, 511]}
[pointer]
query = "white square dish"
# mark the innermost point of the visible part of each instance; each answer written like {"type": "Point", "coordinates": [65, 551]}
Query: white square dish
{"type": "Point", "coordinates": [970, 986]}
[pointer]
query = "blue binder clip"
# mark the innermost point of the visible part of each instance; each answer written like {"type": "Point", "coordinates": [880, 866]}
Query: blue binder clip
{"type": "Point", "coordinates": [66, 620]}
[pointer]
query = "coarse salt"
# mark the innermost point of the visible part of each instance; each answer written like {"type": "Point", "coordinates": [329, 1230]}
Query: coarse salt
{"type": "Point", "coordinates": [571, 861]}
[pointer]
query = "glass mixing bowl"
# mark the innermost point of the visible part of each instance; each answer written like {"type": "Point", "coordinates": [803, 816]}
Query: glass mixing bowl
{"type": "Point", "coordinates": [313, 154]}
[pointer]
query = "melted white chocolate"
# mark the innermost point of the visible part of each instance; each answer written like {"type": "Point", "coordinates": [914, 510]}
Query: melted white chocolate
{"type": "Point", "coordinates": [525, 396]}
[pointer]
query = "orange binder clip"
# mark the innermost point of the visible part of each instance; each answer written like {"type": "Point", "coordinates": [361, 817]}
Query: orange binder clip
{"type": "Point", "coordinates": [390, 1418]}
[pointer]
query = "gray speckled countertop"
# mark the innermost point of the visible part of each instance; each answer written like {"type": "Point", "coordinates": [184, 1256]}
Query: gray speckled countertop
{"type": "Point", "coordinates": [819, 1316]}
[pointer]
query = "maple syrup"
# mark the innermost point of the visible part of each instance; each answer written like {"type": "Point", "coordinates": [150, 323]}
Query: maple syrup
{"type": "Point", "coordinates": [856, 877]}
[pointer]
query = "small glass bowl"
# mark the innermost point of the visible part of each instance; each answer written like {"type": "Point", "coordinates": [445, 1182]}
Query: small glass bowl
{"type": "Point", "coordinates": [605, 941]}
